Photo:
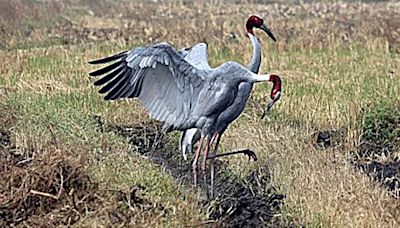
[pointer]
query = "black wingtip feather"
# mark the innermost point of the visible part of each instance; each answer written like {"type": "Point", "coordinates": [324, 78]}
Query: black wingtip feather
{"type": "Point", "coordinates": [110, 76]}
{"type": "Point", "coordinates": [106, 69]}
{"type": "Point", "coordinates": [114, 82]}
{"type": "Point", "coordinates": [115, 92]}
{"type": "Point", "coordinates": [107, 59]}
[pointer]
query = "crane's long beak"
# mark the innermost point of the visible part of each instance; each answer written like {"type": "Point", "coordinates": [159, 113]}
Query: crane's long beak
{"type": "Point", "coordinates": [267, 108]}
{"type": "Point", "coordinates": [270, 103]}
{"type": "Point", "coordinates": [265, 28]}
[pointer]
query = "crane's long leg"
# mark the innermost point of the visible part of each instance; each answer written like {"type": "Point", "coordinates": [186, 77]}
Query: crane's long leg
{"type": "Point", "coordinates": [204, 164]}
{"type": "Point", "coordinates": [247, 152]}
{"type": "Point", "coordinates": [214, 160]}
{"type": "Point", "coordinates": [196, 158]}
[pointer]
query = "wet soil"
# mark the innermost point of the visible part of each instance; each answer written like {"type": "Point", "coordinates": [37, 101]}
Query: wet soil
{"type": "Point", "coordinates": [52, 187]}
{"type": "Point", "coordinates": [247, 202]}
{"type": "Point", "coordinates": [387, 172]}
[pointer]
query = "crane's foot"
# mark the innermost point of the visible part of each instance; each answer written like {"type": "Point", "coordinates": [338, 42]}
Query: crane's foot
{"type": "Point", "coordinates": [247, 152]}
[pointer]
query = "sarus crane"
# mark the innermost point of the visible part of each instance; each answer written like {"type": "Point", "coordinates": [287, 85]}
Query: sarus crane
{"type": "Point", "coordinates": [197, 56]}
{"type": "Point", "coordinates": [177, 93]}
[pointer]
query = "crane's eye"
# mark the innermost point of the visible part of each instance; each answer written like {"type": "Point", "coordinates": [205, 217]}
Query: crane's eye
{"type": "Point", "coordinates": [257, 21]}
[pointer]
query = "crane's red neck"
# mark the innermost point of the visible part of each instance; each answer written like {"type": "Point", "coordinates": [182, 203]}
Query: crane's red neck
{"type": "Point", "coordinates": [277, 84]}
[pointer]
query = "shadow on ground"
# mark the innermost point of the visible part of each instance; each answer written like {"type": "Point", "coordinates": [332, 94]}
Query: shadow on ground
{"type": "Point", "coordinates": [248, 202]}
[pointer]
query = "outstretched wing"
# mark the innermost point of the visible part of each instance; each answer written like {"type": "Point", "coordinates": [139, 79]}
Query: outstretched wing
{"type": "Point", "coordinates": [166, 84]}
{"type": "Point", "coordinates": [196, 56]}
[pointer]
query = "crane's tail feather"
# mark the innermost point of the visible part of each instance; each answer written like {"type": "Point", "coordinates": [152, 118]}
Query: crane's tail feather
{"type": "Point", "coordinates": [184, 146]}
{"type": "Point", "coordinates": [108, 59]}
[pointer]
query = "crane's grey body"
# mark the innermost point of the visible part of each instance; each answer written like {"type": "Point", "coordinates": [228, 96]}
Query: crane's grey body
{"type": "Point", "coordinates": [197, 56]}
{"type": "Point", "coordinates": [181, 90]}
{"type": "Point", "coordinates": [175, 92]}
{"type": "Point", "coordinates": [236, 108]}
{"type": "Point", "coordinates": [244, 90]}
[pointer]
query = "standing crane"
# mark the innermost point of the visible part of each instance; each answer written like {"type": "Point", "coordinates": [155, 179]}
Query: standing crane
{"type": "Point", "coordinates": [197, 56]}
{"type": "Point", "coordinates": [176, 92]}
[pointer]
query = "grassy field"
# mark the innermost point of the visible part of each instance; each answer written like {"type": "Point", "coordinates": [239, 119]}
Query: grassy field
{"type": "Point", "coordinates": [329, 152]}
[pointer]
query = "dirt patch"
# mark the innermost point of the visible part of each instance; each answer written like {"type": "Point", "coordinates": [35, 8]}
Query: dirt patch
{"type": "Point", "coordinates": [387, 173]}
{"type": "Point", "coordinates": [248, 202]}
{"type": "Point", "coordinates": [7, 120]}
{"type": "Point", "coordinates": [35, 185]}
{"type": "Point", "coordinates": [379, 161]}
{"type": "Point", "coordinates": [379, 154]}
{"type": "Point", "coordinates": [56, 190]}
{"type": "Point", "coordinates": [5, 138]}
{"type": "Point", "coordinates": [325, 138]}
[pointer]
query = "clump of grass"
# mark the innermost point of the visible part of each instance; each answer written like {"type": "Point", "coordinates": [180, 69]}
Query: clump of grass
{"type": "Point", "coordinates": [381, 123]}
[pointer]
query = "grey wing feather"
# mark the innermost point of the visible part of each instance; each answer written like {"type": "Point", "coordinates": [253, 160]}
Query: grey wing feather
{"type": "Point", "coordinates": [196, 56]}
{"type": "Point", "coordinates": [158, 76]}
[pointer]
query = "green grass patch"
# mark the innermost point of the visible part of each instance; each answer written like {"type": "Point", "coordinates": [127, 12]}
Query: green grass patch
{"type": "Point", "coordinates": [381, 122]}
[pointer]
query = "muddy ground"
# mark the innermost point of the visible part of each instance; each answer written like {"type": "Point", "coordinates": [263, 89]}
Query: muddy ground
{"type": "Point", "coordinates": [248, 202]}
{"type": "Point", "coordinates": [366, 156]}
{"type": "Point", "coordinates": [381, 160]}
{"type": "Point", "coordinates": [53, 188]}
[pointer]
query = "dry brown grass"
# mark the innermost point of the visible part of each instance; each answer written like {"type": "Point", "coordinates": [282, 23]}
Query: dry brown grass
{"type": "Point", "coordinates": [184, 23]}
{"type": "Point", "coordinates": [321, 185]}
{"type": "Point", "coordinates": [337, 60]}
